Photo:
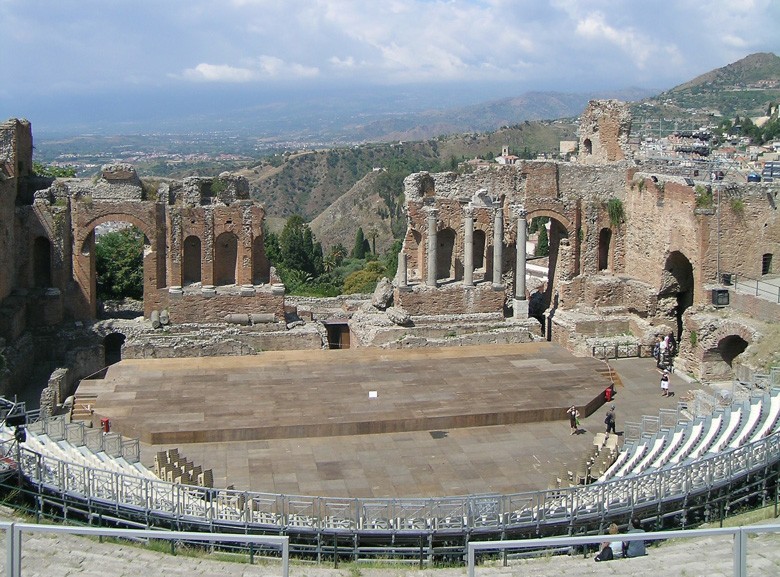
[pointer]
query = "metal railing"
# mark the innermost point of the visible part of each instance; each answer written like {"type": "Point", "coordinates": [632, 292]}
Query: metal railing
{"type": "Point", "coordinates": [739, 550]}
{"type": "Point", "coordinates": [15, 532]}
{"type": "Point", "coordinates": [533, 511]}
{"type": "Point", "coordinates": [746, 285]}
{"type": "Point", "coordinates": [621, 351]}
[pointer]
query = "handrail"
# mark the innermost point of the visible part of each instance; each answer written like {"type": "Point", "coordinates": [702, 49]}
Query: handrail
{"type": "Point", "coordinates": [349, 514]}
{"type": "Point", "coordinates": [739, 550]}
{"type": "Point", "coordinates": [758, 287]}
{"type": "Point", "coordinates": [14, 533]}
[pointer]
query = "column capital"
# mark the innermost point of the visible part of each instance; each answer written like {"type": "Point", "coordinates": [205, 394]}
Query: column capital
{"type": "Point", "coordinates": [431, 211]}
{"type": "Point", "coordinates": [468, 210]}
{"type": "Point", "coordinates": [519, 210]}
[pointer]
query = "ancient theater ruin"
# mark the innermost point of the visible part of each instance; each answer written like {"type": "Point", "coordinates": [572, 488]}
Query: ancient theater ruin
{"type": "Point", "coordinates": [631, 256]}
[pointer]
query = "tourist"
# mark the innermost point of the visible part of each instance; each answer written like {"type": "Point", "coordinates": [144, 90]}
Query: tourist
{"type": "Point", "coordinates": [605, 554]}
{"type": "Point", "coordinates": [672, 345]}
{"type": "Point", "coordinates": [616, 546]}
{"type": "Point", "coordinates": [634, 548]}
{"type": "Point", "coordinates": [665, 384]}
{"type": "Point", "coordinates": [657, 349]}
{"type": "Point", "coordinates": [574, 419]}
{"type": "Point", "coordinates": [609, 420]}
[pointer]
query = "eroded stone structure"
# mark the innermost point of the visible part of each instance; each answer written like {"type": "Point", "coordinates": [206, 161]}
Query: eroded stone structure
{"type": "Point", "coordinates": [631, 255]}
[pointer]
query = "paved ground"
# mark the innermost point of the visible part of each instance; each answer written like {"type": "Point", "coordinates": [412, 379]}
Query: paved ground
{"type": "Point", "coordinates": [450, 461]}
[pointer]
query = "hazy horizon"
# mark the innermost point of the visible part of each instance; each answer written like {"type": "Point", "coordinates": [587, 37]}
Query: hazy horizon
{"type": "Point", "coordinates": [87, 65]}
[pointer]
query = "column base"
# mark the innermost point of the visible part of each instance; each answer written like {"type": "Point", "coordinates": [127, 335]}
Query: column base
{"type": "Point", "coordinates": [520, 309]}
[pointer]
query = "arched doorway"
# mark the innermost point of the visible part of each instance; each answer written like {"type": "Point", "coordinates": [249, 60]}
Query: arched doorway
{"type": "Point", "coordinates": [112, 347]}
{"type": "Point", "coordinates": [446, 242]}
{"type": "Point", "coordinates": [225, 259]}
{"type": "Point", "coordinates": [191, 267]}
{"type": "Point", "coordinates": [677, 283]}
{"type": "Point", "coordinates": [605, 238]}
{"type": "Point", "coordinates": [41, 262]}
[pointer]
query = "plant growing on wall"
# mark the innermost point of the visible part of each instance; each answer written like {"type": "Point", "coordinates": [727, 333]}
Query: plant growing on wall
{"type": "Point", "coordinates": [737, 206]}
{"type": "Point", "coordinates": [616, 212]}
{"type": "Point", "coordinates": [703, 197]}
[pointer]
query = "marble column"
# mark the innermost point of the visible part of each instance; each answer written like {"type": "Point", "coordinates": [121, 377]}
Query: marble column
{"type": "Point", "coordinates": [498, 242]}
{"type": "Point", "coordinates": [520, 302]}
{"type": "Point", "coordinates": [468, 246]}
{"type": "Point", "coordinates": [432, 245]}
{"type": "Point", "coordinates": [401, 274]}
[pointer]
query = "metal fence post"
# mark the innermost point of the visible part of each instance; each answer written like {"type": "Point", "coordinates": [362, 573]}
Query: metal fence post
{"type": "Point", "coordinates": [9, 549]}
{"type": "Point", "coordinates": [740, 552]}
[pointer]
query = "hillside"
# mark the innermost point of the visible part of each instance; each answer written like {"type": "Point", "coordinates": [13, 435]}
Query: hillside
{"type": "Point", "coordinates": [361, 206]}
{"type": "Point", "coordinates": [306, 183]}
{"type": "Point", "coordinates": [745, 87]}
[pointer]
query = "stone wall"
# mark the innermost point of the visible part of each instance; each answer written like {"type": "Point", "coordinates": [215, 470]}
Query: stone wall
{"type": "Point", "coordinates": [213, 305]}
{"type": "Point", "coordinates": [450, 300]}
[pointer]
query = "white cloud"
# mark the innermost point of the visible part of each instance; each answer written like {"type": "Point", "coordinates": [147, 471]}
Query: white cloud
{"type": "Point", "coordinates": [218, 73]}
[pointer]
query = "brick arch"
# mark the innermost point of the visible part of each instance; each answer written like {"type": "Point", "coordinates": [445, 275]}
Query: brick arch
{"type": "Point", "coordinates": [88, 228]}
{"type": "Point", "coordinates": [84, 258]}
{"type": "Point", "coordinates": [719, 348]}
{"type": "Point", "coordinates": [555, 215]}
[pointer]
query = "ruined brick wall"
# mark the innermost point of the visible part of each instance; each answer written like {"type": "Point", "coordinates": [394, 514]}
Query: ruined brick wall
{"type": "Point", "coordinates": [660, 219]}
{"type": "Point", "coordinates": [16, 147]}
{"type": "Point", "coordinates": [450, 300]}
{"type": "Point", "coordinates": [211, 306]}
{"type": "Point", "coordinates": [749, 227]}
{"type": "Point", "coordinates": [604, 130]}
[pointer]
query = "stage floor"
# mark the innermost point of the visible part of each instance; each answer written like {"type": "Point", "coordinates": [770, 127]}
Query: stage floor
{"type": "Point", "coordinates": [448, 421]}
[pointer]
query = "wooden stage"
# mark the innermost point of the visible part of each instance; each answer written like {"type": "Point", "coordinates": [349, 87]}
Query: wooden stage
{"type": "Point", "coordinates": [329, 393]}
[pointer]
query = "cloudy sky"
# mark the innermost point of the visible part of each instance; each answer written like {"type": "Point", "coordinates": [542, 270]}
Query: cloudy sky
{"type": "Point", "coordinates": [75, 54]}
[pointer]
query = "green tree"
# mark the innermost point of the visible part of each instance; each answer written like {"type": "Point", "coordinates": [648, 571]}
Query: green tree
{"type": "Point", "coordinates": [272, 249]}
{"type": "Point", "coordinates": [119, 263]}
{"type": "Point", "coordinates": [359, 250]}
{"type": "Point", "coordinates": [542, 243]}
{"type": "Point", "coordinates": [298, 247]}
{"type": "Point", "coordinates": [53, 171]}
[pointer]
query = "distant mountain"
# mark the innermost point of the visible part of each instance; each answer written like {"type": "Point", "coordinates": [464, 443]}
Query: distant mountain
{"type": "Point", "coordinates": [745, 87]}
{"type": "Point", "coordinates": [484, 116]}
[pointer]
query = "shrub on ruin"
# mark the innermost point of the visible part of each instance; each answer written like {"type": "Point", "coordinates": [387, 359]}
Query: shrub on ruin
{"type": "Point", "coordinates": [363, 281]}
{"type": "Point", "coordinates": [616, 212]}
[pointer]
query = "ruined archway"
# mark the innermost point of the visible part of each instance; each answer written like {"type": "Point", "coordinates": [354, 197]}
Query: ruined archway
{"type": "Point", "coordinates": [154, 272]}
{"type": "Point", "coordinates": [562, 256]}
{"type": "Point", "coordinates": [41, 262]}
{"type": "Point", "coordinates": [225, 259]}
{"type": "Point", "coordinates": [677, 283]}
{"type": "Point", "coordinates": [445, 240]}
{"type": "Point", "coordinates": [112, 348]}
{"type": "Point", "coordinates": [605, 240]}
{"type": "Point", "coordinates": [718, 360]}
{"type": "Point", "coordinates": [191, 260]}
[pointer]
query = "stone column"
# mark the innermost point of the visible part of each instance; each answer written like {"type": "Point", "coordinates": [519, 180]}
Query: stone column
{"type": "Point", "coordinates": [401, 276]}
{"type": "Point", "coordinates": [498, 242]}
{"type": "Point", "coordinates": [468, 245]}
{"type": "Point", "coordinates": [520, 302]}
{"type": "Point", "coordinates": [432, 245]}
